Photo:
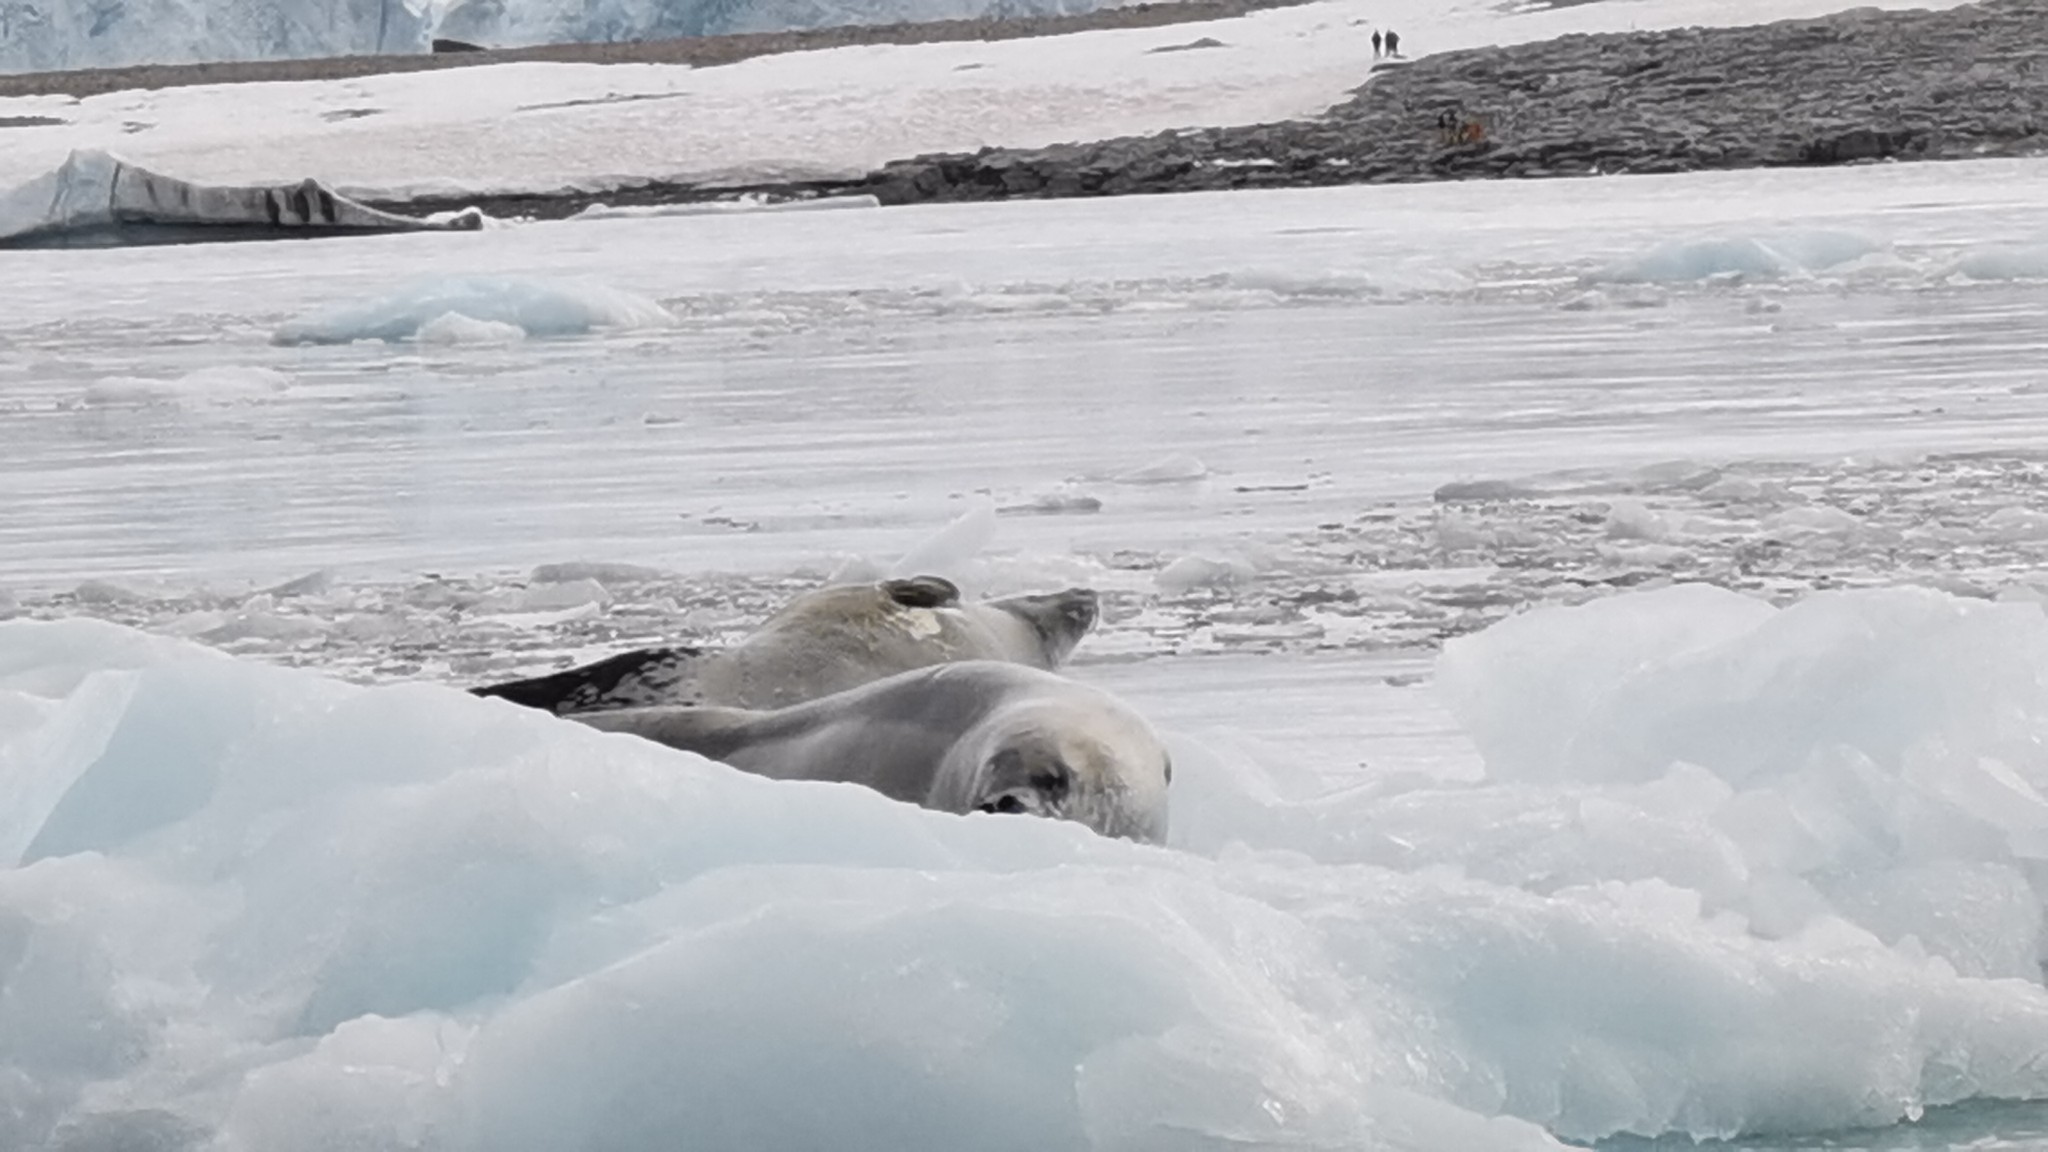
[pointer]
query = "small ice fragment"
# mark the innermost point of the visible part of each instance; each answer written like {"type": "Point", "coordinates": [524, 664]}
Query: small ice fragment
{"type": "Point", "coordinates": [1191, 572]}
{"type": "Point", "coordinates": [105, 592]}
{"type": "Point", "coordinates": [1176, 469]}
{"type": "Point", "coordinates": [1632, 520]}
{"type": "Point", "coordinates": [534, 306]}
{"type": "Point", "coordinates": [310, 584]}
{"type": "Point", "coordinates": [553, 597]}
{"type": "Point", "coordinates": [603, 573]}
{"type": "Point", "coordinates": [1053, 504]}
{"type": "Point", "coordinates": [455, 328]}
{"type": "Point", "coordinates": [944, 552]}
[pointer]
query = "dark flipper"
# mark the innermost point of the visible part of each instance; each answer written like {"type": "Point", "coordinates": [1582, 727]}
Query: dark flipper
{"type": "Point", "coordinates": [638, 679]}
{"type": "Point", "coordinates": [923, 592]}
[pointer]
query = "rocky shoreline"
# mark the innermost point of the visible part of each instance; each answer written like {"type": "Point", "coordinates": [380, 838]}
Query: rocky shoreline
{"type": "Point", "coordinates": [1853, 87]}
{"type": "Point", "coordinates": [1858, 86]}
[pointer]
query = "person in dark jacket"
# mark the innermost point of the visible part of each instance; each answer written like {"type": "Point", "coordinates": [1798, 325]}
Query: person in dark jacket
{"type": "Point", "coordinates": [1375, 44]}
{"type": "Point", "coordinates": [1393, 43]}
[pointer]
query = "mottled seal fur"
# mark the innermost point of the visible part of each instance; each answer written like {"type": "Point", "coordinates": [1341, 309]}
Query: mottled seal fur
{"type": "Point", "coordinates": [823, 642]}
{"type": "Point", "coordinates": [976, 736]}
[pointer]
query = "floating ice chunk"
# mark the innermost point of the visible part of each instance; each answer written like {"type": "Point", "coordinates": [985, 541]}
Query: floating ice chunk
{"type": "Point", "coordinates": [1483, 491]}
{"type": "Point", "coordinates": [94, 199]}
{"type": "Point", "coordinates": [1752, 879]}
{"type": "Point", "coordinates": [1981, 917]}
{"type": "Point", "coordinates": [1634, 520]}
{"type": "Point", "coordinates": [2016, 524]}
{"type": "Point", "coordinates": [373, 1082]}
{"type": "Point", "coordinates": [1191, 572]}
{"type": "Point", "coordinates": [948, 551]}
{"type": "Point", "coordinates": [1761, 257]}
{"type": "Point", "coordinates": [600, 572]}
{"type": "Point", "coordinates": [726, 207]}
{"type": "Point", "coordinates": [1455, 531]}
{"type": "Point", "coordinates": [1533, 721]}
{"type": "Point", "coordinates": [260, 624]}
{"type": "Point", "coordinates": [106, 592]}
{"type": "Point", "coordinates": [1812, 521]}
{"type": "Point", "coordinates": [311, 584]}
{"type": "Point", "coordinates": [535, 307]}
{"type": "Point", "coordinates": [2005, 263]}
{"type": "Point", "coordinates": [1176, 469]}
{"type": "Point", "coordinates": [550, 596]}
{"type": "Point", "coordinates": [456, 328]}
{"type": "Point", "coordinates": [1054, 504]}
{"type": "Point", "coordinates": [222, 384]}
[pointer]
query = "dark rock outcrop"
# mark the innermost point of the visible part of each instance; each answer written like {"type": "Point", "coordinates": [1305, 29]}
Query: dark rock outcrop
{"type": "Point", "coordinates": [1858, 86]}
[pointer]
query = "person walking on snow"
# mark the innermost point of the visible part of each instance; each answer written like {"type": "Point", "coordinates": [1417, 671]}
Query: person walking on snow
{"type": "Point", "coordinates": [1393, 43]}
{"type": "Point", "coordinates": [1375, 44]}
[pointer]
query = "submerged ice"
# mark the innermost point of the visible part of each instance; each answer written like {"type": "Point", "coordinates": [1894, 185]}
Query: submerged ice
{"type": "Point", "coordinates": [1730, 868]}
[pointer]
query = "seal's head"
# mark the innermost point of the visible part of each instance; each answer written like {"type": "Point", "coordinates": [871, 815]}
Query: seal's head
{"type": "Point", "coordinates": [1103, 767]}
{"type": "Point", "coordinates": [1053, 622]}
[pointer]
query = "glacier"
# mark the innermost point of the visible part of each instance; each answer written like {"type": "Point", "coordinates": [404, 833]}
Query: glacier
{"type": "Point", "coordinates": [54, 35]}
{"type": "Point", "coordinates": [49, 35]}
{"type": "Point", "coordinates": [1728, 869]}
{"type": "Point", "coordinates": [507, 23]}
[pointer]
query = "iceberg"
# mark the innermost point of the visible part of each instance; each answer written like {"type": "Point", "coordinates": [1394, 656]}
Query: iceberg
{"type": "Point", "coordinates": [478, 310]}
{"type": "Point", "coordinates": [97, 200]}
{"type": "Point", "coordinates": [1766, 257]}
{"type": "Point", "coordinates": [1732, 869]}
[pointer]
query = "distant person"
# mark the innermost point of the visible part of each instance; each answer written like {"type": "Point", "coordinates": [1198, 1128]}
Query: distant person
{"type": "Point", "coordinates": [1375, 44]}
{"type": "Point", "coordinates": [1393, 43]}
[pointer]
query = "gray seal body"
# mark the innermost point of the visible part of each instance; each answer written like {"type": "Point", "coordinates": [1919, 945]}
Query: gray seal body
{"type": "Point", "coordinates": [975, 736]}
{"type": "Point", "coordinates": [824, 642]}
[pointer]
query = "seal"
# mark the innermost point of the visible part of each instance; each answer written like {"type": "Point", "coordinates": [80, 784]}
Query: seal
{"type": "Point", "coordinates": [975, 736]}
{"type": "Point", "coordinates": [824, 642]}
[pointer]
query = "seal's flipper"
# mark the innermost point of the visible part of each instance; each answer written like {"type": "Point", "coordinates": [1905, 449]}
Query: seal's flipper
{"type": "Point", "coordinates": [923, 592]}
{"type": "Point", "coordinates": [638, 679]}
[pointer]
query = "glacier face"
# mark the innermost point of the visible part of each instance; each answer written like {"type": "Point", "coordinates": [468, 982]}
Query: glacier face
{"type": "Point", "coordinates": [518, 22]}
{"type": "Point", "coordinates": [47, 35]}
{"type": "Point", "coordinates": [52, 35]}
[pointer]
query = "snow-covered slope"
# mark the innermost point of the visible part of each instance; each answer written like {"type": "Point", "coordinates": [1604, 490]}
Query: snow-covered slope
{"type": "Point", "coordinates": [537, 127]}
{"type": "Point", "coordinates": [504, 23]}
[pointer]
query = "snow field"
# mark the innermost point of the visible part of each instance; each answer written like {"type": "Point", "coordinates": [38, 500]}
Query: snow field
{"type": "Point", "coordinates": [540, 127]}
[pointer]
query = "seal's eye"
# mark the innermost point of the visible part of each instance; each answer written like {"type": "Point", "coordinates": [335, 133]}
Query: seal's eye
{"type": "Point", "coordinates": [1052, 781]}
